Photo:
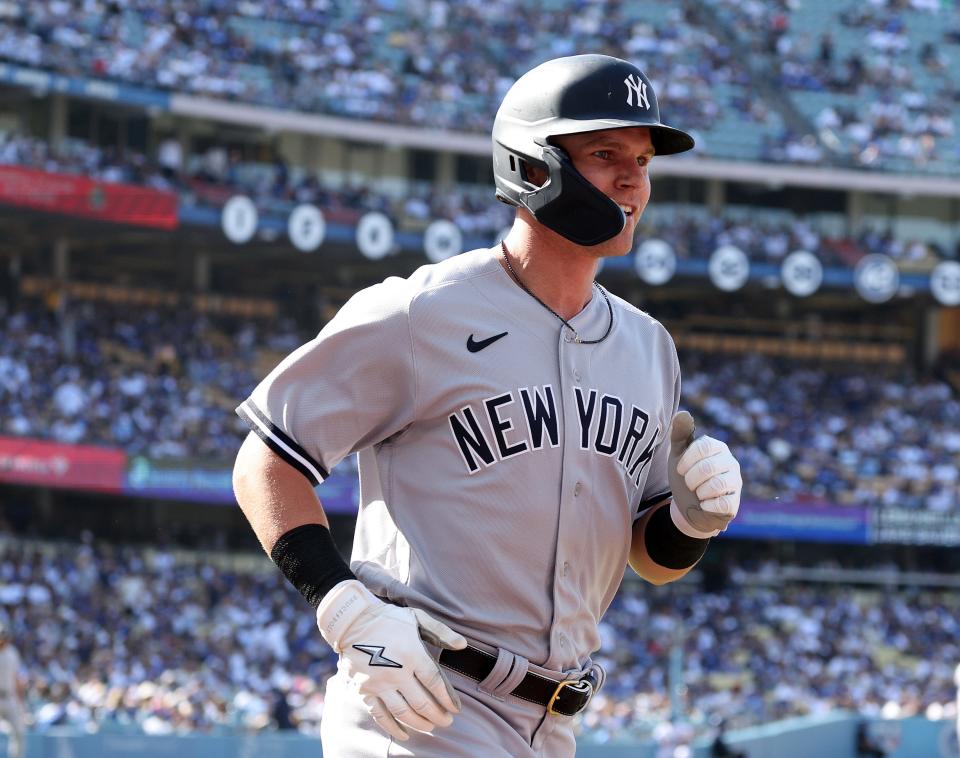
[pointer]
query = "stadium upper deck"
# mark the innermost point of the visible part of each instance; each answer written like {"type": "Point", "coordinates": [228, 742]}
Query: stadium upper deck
{"type": "Point", "coordinates": [819, 83]}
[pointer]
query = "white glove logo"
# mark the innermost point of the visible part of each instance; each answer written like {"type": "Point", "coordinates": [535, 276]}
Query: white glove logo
{"type": "Point", "coordinates": [377, 657]}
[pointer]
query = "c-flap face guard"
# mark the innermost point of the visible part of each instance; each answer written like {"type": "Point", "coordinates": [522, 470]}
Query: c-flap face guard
{"type": "Point", "coordinates": [570, 205]}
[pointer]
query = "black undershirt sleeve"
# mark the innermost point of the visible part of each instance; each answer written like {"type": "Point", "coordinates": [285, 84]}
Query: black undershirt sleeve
{"type": "Point", "coordinates": [309, 559]}
{"type": "Point", "coordinates": [667, 546]}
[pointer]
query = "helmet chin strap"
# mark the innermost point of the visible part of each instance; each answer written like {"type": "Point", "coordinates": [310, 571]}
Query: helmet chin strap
{"type": "Point", "coordinates": [570, 205]}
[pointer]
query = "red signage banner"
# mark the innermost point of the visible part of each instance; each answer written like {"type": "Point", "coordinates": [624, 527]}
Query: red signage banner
{"type": "Point", "coordinates": [87, 198]}
{"type": "Point", "coordinates": [50, 464]}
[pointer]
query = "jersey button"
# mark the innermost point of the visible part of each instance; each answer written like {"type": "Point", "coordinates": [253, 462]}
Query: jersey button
{"type": "Point", "coordinates": [566, 568]}
{"type": "Point", "coordinates": [577, 489]}
{"type": "Point", "coordinates": [576, 376]}
{"type": "Point", "coordinates": [567, 337]}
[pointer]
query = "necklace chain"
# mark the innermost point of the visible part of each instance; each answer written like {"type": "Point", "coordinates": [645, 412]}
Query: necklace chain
{"type": "Point", "coordinates": [576, 334]}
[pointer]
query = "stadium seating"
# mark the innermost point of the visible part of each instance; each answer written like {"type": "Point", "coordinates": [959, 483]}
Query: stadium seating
{"type": "Point", "coordinates": [831, 421]}
{"type": "Point", "coordinates": [816, 82]}
{"type": "Point", "coordinates": [875, 81]}
{"type": "Point", "coordinates": [831, 432]}
{"type": "Point", "coordinates": [161, 382]}
{"type": "Point", "coordinates": [446, 67]}
{"type": "Point", "coordinates": [169, 641]}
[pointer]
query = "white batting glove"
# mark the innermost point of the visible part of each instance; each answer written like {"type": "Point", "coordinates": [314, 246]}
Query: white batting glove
{"type": "Point", "coordinates": [383, 657]}
{"type": "Point", "coordinates": [705, 481]}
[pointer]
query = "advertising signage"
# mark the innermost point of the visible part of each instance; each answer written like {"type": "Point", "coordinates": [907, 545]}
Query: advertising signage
{"type": "Point", "coordinates": [50, 464]}
{"type": "Point", "coordinates": [86, 198]}
{"type": "Point", "coordinates": [43, 463]}
{"type": "Point", "coordinates": [801, 521]}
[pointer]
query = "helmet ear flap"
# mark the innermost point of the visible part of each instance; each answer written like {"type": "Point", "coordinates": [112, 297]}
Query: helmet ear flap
{"type": "Point", "coordinates": [511, 172]}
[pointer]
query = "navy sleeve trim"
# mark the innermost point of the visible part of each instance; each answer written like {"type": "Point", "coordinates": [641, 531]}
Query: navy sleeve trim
{"type": "Point", "coordinates": [281, 443]}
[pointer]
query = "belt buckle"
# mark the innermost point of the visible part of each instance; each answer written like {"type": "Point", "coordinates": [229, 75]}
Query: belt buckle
{"type": "Point", "coordinates": [582, 685]}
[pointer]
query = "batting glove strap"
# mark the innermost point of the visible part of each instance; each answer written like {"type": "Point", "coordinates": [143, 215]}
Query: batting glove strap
{"type": "Point", "coordinates": [683, 525]}
{"type": "Point", "coordinates": [340, 607]}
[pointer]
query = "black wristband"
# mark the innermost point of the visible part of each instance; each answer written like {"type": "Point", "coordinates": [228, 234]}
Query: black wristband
{"type": "Point", "coordinates": [667, 546]}
{"type": "Point", "coordinates": [311, 562]}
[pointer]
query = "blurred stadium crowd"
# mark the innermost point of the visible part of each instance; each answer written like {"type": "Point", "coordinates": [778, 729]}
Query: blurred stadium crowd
{"type": "Point", "coordinates": [163, 383]}
{"type": "Point", "coordinates": [754, 654]}
{"type": "Point", "coordinates": [111, 638]}
{"type": "Point", "coordinates": [874, 78]}
{"type": "Point", "coordinates": [838, 433]}
{"type": "Point", "coordinates": [839, 82]}
{"type": "Point", "coordinates": [432, 63]}
{"type": "Point", "coordinates": [167, 642]}
{"type": "Point", "coordinates": [211, 178]}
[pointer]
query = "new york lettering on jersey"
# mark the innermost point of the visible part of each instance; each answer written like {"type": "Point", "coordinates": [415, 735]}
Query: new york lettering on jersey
{"type": "Point", "coordinates": [526, 419]}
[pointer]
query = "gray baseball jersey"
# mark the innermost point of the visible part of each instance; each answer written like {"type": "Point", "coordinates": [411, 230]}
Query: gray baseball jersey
{"type": "Point", "coordinates": [502, 463]}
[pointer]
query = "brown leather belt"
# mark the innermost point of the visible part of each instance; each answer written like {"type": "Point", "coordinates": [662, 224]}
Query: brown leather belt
{"type": "Point", "coordinates": [566, 698]}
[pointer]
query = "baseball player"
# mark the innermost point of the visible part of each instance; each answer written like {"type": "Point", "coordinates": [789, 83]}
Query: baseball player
{"type": "Point", "coordinates": [12, 692]}
{"type": "Point", "coordinates": [519, 445]}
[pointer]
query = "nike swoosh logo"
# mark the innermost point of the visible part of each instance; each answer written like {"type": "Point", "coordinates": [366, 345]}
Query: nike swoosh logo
{"type": "Point", "coordinates": [475, 347]}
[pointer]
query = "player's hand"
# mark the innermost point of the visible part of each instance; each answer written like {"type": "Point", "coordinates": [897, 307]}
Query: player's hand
{"type": "Point", "coordinates": [705, 481]}
{"type": "Point", "coordinates": [383, 657]}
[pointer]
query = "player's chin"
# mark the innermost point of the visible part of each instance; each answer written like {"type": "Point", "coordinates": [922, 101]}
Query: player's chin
{"type": "Point", "coordinates": [619, 246]}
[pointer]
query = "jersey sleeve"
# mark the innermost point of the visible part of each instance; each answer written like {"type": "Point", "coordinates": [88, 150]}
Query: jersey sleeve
{"type": "Point", "coordinates": [657, 487]}
{"type": "Point", "coordinates": [350, 387]}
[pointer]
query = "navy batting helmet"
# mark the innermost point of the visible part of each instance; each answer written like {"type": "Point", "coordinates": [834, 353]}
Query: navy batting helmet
{"type": "Point", "coordinates": [580, 93]}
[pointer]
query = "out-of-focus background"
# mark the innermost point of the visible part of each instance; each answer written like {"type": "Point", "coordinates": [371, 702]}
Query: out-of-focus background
{"type": "Point", "coordinates": [188, 191]}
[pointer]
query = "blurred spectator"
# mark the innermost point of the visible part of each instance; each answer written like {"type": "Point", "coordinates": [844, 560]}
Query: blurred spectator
{"type": "Point", "coordinates": [170, 158]}
{"type": "Point", "coordinates": [719, 747]}
{"type": "Point", "coordinates": [956, 682]}
{"type": "Point", "coordinates": [673, 738]}
{"type": "Point", "coordinates": [867, 746]}
{"type": "Point", "coordinates": [281, 713]}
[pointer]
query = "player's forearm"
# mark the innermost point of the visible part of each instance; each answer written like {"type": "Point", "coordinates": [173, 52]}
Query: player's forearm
{"type": "Point", "coordinates": [286, 515]}
{"type": "Point", "coordinates": [680, 559]}
{"type": "Point", "coordinates": [273, 495]}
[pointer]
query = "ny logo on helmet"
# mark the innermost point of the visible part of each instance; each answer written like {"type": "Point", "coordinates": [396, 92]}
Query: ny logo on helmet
{"type": "Point", "coordinates": [636, 86]}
